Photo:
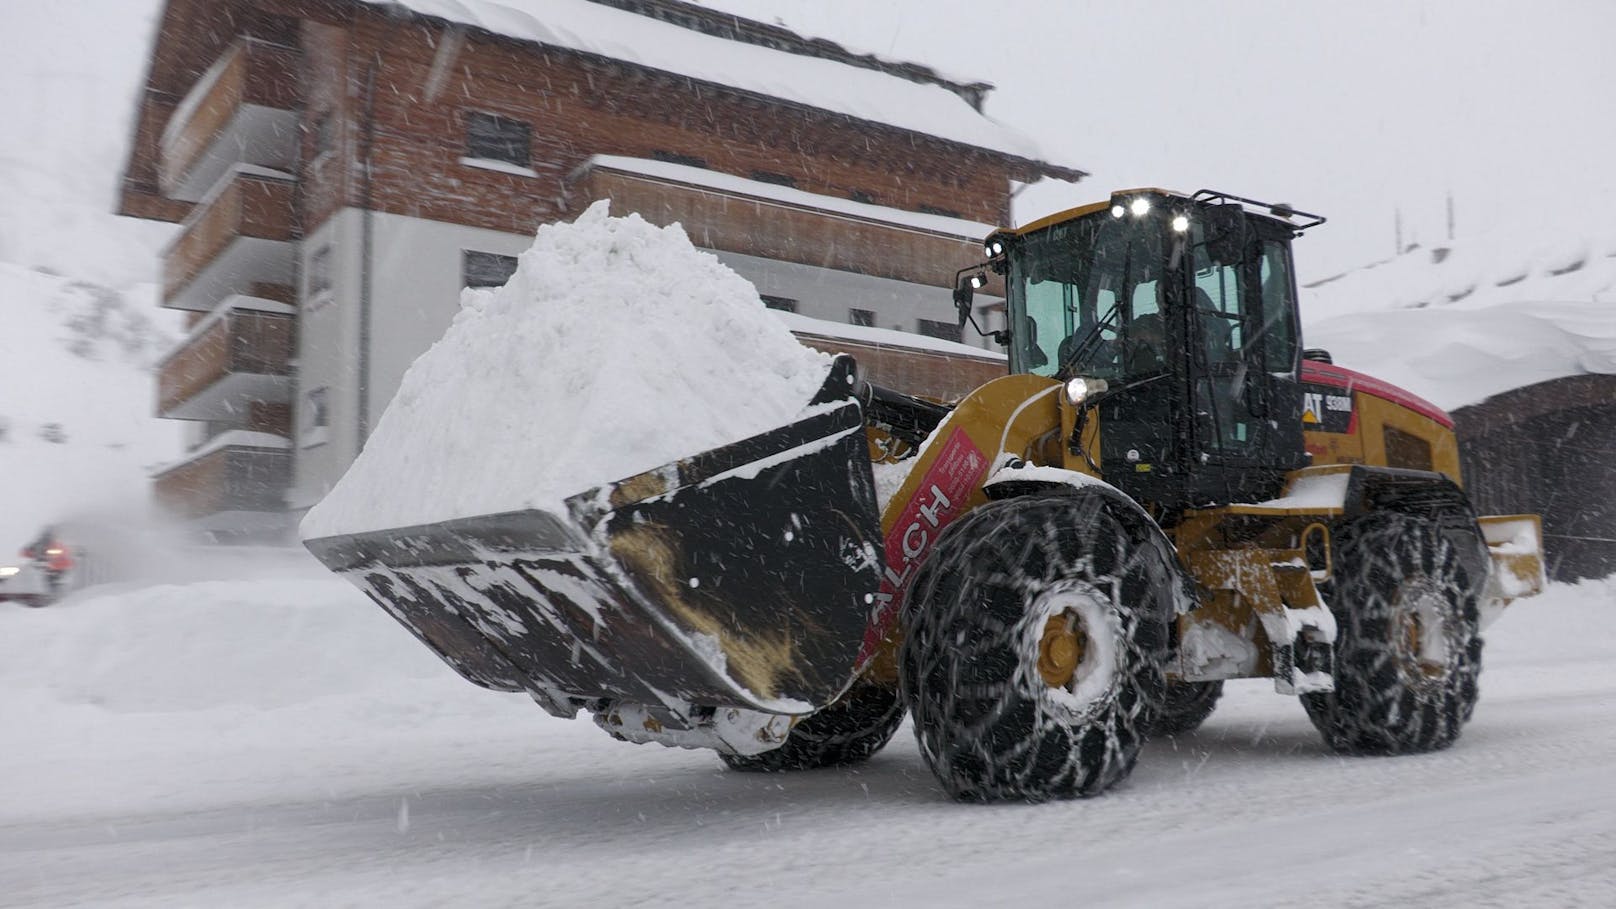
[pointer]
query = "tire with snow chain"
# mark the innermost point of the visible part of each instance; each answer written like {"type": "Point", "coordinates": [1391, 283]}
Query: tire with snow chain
{"type": "Point", "coordinates": [1035, 640]}
{"type": "Point", "coordinates": [1408, 646]}
{"type": "Point", "coordinates": [1184, 708]}
{"type": "Point", "coordinates": [848, 731]}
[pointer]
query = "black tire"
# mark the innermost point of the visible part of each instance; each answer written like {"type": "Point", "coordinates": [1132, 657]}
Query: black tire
{"type": "Point", "coordinates": [989, 724]}
{"type": "Point", "coordinates": [1184, 708]}
{"type": "Point", "coordinates": [848, 731]}
{"type": "Point", "coordinates": [1399, 687]}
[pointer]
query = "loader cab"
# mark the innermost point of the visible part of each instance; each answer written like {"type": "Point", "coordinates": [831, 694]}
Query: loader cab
{"type": "Point", "coordinates": [1186, 308]}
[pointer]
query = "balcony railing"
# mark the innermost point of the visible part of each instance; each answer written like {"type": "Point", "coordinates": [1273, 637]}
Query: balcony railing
{"type": "Point", "coordinates": [225, 479]}
{"type": "Point", "coordinates": [242, 110]}
{"type": "Point", "coordinates": [241, 234]}
{"type": "Point", "coordinates": [231, 360]}
{"type": "Point", "coordinates": [863, 239]}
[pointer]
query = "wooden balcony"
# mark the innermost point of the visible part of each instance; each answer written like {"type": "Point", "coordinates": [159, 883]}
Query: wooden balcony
{"type": "Point", "coordinates": [723, 217]}
{"type": "Point", "coordinates": [941, 375]}
{"type": "Point", "coordinates": [232, 360]}
{"type": "Point", "coordinates": [241, 234]}
{"type": "Point", "coordinates": [227, 486]}
{"type": "Point", "coordinates": [242, 111]}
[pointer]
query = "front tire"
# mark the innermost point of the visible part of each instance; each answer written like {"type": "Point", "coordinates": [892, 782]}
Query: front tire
{"type": "Point", "coordinates": [1408, 646]}
{"type": "Point", "coordinates": [1035, 640]}
{"type": "Point", "coordinates": [849, 731]}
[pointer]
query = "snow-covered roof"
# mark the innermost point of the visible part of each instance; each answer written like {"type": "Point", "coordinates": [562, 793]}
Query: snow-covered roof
{"type": "Point", "coordinates": [1472, 318]}
{"type": "Point", "coordinates": [728, 183]}
{"type": "Point", "coordinates": [880, 337]}
{"type": "Point", "coordinates": [866, 94]}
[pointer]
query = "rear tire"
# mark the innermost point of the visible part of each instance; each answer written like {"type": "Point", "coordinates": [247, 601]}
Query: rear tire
{"type": "Point", "coordinates": [849, 731]}
{"type": "Point", "coordinates": [1035, 638]}
{"type": "Point", "coordinates": [1185, 707]}
{"type": "Point", "coordinates": [1408, 647]}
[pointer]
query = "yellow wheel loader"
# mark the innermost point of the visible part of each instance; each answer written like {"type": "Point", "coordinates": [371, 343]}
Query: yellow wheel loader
{"type": "Point", "coordinates": [1165, 492]}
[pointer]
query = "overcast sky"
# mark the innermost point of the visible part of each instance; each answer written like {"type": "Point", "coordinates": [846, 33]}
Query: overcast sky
{"type": "Point", "coordinates": [1351, 109]}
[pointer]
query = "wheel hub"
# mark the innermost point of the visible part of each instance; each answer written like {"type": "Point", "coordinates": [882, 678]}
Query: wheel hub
{"type": "Point", "coordinates": [1060, 650]}
{"type": "Point", "coordinates": [1425, 650]}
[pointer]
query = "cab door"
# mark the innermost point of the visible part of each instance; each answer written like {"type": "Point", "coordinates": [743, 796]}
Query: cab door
{"type": "Point", "coordinates": [1243, 349]}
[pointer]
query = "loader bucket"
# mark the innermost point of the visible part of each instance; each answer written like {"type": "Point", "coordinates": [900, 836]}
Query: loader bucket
{"type": "Point", "coordinates": [741, 576]}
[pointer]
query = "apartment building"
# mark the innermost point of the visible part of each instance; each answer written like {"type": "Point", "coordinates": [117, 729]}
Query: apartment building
{"type": "Point", "coordinates": [341, 169]}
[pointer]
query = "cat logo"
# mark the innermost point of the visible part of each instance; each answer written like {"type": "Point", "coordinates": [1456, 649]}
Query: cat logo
{"type": "Point", "coordinates": [1326, 412]}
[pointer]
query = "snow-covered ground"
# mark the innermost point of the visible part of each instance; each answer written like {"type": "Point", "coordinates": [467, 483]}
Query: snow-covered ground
{"type": "Point", "coordinates": [277, 741]}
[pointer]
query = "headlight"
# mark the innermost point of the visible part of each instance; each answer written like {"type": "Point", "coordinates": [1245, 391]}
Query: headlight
{"type": "Point", "coordinates": [1081, 387]}
{"type": "Point", "coordinates": [1140, 207]}
{"type": "Point", "coordinates": [7, 571]}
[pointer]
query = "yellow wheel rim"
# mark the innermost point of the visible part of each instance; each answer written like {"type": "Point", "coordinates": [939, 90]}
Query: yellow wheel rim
{"type": "Point", "coordinates": [1060, 650]}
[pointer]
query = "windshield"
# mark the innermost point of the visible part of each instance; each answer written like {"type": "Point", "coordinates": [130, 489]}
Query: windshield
{"type": "Point", "coordinates": [1085, 297]}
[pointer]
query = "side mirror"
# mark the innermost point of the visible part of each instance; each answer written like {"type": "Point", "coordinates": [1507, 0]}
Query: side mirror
{"type": "Point", "coordinates": [1225, 227]}
{"type": "Point", "coordinates": [964, 293]}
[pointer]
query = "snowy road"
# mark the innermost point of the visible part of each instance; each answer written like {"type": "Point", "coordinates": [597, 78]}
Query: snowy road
{"type": "Point", "coordinates": [279, 743]}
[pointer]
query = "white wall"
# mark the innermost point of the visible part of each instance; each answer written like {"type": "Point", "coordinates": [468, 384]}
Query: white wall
{"type": "Point", "coordinates": [415, 293]}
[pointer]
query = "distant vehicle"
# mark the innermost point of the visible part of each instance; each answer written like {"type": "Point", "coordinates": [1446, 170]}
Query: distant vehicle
{"type": "Point", "coordinates": [49, 569]}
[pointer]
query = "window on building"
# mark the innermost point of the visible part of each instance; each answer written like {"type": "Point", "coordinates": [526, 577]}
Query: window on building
{"type": "Point", "coordinates": [486, 269]}
{"type": "Point", "coordinates": [497, 138]}
{"type": "Point", "coordinates": [865, 317]}
{"type": "Point", "coordinates": [769, 176]}
{"type": "Point", "coordinates": [316, 408]}
{"type": "Point", "coordinates": [324, 134]}
{"type": "Point", "coordinates": [931, 328]}
{"type": "Point", "coordinates": [673, 157]}
{"type": "Point", "coordinates": [938, 210]}
{"type": "Point", "coordinates": [318, 280]}
{"type": "Point", "coordinates": [784, 304]}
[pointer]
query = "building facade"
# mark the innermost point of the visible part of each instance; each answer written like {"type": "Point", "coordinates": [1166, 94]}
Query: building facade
{"type": "Point", "coordinates": [342, 169]}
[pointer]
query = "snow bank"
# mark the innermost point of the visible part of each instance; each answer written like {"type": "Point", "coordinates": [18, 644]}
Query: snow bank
{"type": "Point", "coordinates": [616, 347]}
{"type": "Point", "coordinates": [240, 645]}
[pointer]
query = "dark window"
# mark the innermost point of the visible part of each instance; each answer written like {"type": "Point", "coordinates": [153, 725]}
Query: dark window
{"type": "Point", "coordinates": [948, 331]}
{"type": "Point", "coordinates": [865, 317]}
{"type": "Point", "coordinates": [319, 277]}
{"type": "Point", "coordinates": [498, 138]}
{"type": "Point", "coordinates": [859, 195]}
{"type": "Point", "coordinates": [769, 176]}
{"type": "Point", "coordinates": [316, 408]}
{"type": "Point", "coordinates": [935, 210]}
{"type": "Point", "coordinates": [324, 137]}
{"type": "Point", "coordinates": [1278, 326]}
{"type": "Point", "coordinates": [484, 269]}
{"type": "Point", "coordinates": [784, 304]}
{"type": "Point", "coordinates": [673, 157]}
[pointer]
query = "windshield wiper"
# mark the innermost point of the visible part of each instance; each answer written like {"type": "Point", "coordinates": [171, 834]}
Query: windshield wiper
{"type": "Point", "coordinates": [1089, 340]}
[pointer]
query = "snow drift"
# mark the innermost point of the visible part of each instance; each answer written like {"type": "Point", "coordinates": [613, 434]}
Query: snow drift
{"type": "Point", "coordinates": [616, 347]}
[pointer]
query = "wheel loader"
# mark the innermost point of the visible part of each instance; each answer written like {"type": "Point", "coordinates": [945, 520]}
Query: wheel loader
{"type": "Point", "coordinates": [1165, 492]}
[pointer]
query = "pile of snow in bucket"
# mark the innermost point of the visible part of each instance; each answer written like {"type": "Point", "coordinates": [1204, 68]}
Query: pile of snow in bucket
{"type": "Point", "coordinates": [615, 348]}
